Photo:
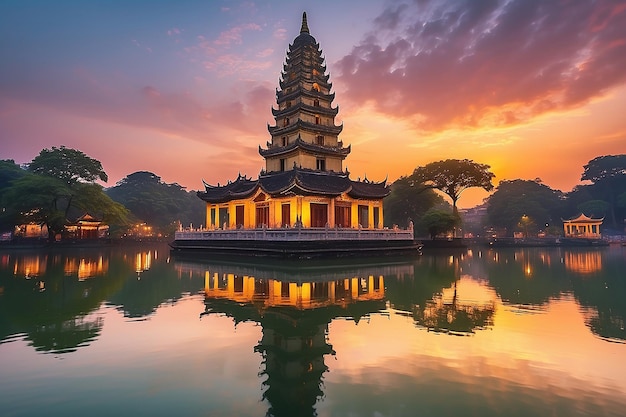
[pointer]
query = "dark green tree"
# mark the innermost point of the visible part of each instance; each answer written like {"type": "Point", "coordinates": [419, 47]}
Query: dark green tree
{"type": "Point", "coordinates": [608, 175]}
{"type": "Point", "coordinates": [38, 199]}
{"type": "Point", "coordinates": [453, 176]}
{"type": "Point", "coordinates": [58, 186]}
{"type": "Point", "coordinates": [9, 172]}
{"type": "Point", "coordinates": [157, 203]}
{"type": "Point", "coordinates": [438, 222]}
{"type": "Point", "coordinates": [68, 165]}
{"type": "Point", "coordinates": [408, 201]}
{"type": "Point", "coordinates": [514, 199]}
{"type": "Point", "coordinates": [594, 208]}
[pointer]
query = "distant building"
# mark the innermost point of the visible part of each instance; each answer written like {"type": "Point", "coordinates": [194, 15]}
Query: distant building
{"type": "Point", "coordinates": [87, 227]}
{"type": "Point", "coordinates": [583, 227]}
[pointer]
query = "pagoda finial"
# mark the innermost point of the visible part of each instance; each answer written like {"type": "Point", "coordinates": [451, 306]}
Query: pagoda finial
{"type": "Point", "coordinates": [305, 26]}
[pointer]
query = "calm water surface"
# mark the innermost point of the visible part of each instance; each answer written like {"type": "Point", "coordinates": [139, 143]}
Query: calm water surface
{"type": "Point", "coordinates": [134, 331]}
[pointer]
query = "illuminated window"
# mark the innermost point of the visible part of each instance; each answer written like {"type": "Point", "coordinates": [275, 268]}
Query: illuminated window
{"type": "Point", "coordinates": [316, 87]}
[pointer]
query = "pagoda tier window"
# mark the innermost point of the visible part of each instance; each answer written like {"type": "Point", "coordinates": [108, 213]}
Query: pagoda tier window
{"type": "Point", "coordinates": [288, 104]}
{"type": "Point", "coordinates": [282, 164]}
{"type": "Point", "coordinates": [316, 103]}
{"type": "Point", "coordinates": [286, 121]}
{"type": "Point", "coordinates": [318, 119]}
{"type": "Point", "coordinates": [319, 139]}
{"type": "Point", "coordinates": [284, 139]}
{"type": "Point", "coordinates": [321, 164]}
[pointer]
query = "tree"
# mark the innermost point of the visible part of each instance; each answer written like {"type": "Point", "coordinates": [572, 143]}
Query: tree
{"type": "Point", "coordinates": [59, 185]}
{"type": "Point", "coordinates": [594, 208]}
{"type": "Point", "coordinates": [9, 172]}
{"type": "Point", "coordinates": [515, 199]}
{"type": "Point", "coordinates": [453, 176]}
{"type": "Point", "coordinates": [438, 222]}
{"type": "Point", "coordinates": [408, 201]}
{"type": "Point", "coordinates": [608, 175]}
{"type": "Point", "coordinates": [68, 165]}
{"type": "Point", "coordinates": [37, 199]}
{"type": "Point", "coordinates": [155, 202]}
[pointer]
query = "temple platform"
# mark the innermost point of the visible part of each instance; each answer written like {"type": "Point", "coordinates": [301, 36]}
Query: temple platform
{"type": "Point", "coordinates": [298, 243]}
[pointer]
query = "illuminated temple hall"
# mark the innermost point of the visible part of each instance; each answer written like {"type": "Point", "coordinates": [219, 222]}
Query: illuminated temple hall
{"type": "Point", "coordinates": [304, 184]}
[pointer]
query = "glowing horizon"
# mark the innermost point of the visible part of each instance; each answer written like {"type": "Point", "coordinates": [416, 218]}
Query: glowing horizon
{"type": "Point", "coordinates": [185, 92]}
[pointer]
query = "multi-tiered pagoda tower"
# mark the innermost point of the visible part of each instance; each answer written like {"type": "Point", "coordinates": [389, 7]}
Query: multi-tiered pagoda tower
{"type": "Point", "coordinates": [304, 184]}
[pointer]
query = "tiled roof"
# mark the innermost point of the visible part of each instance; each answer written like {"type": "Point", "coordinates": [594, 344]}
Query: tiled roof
{"type": "Point", "coordinates": [296, 181]}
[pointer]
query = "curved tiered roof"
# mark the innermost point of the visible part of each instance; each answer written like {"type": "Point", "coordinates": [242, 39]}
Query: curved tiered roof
{"type": "Point", "coordinates": [300, 144]}
{"type": "Point", "coordinates": [297, 181]}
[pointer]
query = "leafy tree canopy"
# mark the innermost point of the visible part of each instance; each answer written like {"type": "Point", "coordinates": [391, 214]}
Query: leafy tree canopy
{"type": "Point", "coordinates": [160, 204]}
{"type": "Point", "coordinates": [602, 168]}
{"type": "Point", "coordinates": [453, 176]}
{"type": "Point", "coordinates": [438, 222]}
{"type": "Point", "coordinates": [38, 199]}
{"type": "Point", "coordinates": [9, 171]}
{"type": "Point", "coordinates": [608, 175]}
{"type": "Point", "coordinates": [408, 201]}
{"type": "Point", "coordinates": [594, 208]}
{"type": "Point", "coordinates": [517, 198]}
{"type": "Point", "coordinates": [68, 165]}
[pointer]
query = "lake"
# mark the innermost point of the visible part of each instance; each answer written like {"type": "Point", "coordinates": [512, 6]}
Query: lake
{"type": "Point", "coordinates": [132, 330]}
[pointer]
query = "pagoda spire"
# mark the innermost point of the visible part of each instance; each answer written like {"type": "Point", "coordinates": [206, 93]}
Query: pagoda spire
{"type": "Point", "coordinates": [305, 26]}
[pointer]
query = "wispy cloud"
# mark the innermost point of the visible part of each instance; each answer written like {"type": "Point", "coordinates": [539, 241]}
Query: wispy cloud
{"type": "Point", "coordinates": [234, 34]}
{"type": "Point", "coordinates": [496, 63]}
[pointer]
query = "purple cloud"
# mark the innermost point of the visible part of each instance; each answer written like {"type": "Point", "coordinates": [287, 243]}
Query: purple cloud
{"type": "Point", "coordinates": [470, 63]}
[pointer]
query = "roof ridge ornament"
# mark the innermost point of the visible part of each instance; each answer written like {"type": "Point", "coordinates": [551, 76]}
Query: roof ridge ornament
{"type": "Point", "coordinates": [305, 26]}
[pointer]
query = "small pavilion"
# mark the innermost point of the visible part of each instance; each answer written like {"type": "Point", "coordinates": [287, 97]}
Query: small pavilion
{"type": "Point", "coordinates": [583, 227]}
{"type": "Point", "coordinates": [87, 227]}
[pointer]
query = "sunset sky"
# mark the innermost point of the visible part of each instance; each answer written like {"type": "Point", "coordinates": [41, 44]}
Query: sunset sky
{"type": "Point", "coordinates": [184, 89]}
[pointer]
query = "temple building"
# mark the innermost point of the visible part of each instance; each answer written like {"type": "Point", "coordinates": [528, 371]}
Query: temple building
{"type": "Point", "coordinates": [304, 182]}
{"type": "Point", "coordinates": [582, 227]}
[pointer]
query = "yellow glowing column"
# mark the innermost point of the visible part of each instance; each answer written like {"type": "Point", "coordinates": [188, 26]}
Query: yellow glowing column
{"type": "Point", "coordinates": [354, 284]}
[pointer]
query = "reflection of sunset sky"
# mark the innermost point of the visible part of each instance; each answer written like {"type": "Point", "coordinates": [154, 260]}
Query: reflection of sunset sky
{"type": "Point", "coordinates": [532, 89]}
{"type": "Point", "coordinates": [545, 356]}
{"type": "Point", "coordinates": [504, 358]}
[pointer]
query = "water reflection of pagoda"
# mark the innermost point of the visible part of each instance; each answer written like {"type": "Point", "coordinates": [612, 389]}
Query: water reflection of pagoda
{"type": "Point", "coordinates": [294, 309]}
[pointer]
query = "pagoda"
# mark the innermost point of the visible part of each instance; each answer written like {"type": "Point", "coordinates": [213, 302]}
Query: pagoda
{"type": "Point", "coordinates": [304, 188]}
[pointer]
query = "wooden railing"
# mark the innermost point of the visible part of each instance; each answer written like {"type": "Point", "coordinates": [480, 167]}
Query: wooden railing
{"type": "Point", "coordinates": [297, 234]}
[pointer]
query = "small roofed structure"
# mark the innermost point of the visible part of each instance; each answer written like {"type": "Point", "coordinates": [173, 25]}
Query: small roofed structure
{"type": "Point", "coordinates": [87, 227]}
{"type": "Point", "coordinates": [582, 226]}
